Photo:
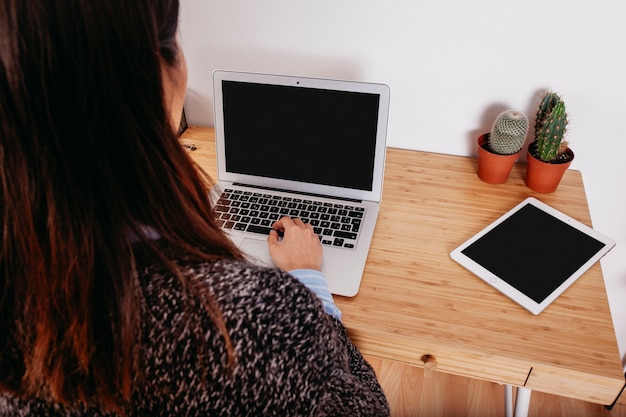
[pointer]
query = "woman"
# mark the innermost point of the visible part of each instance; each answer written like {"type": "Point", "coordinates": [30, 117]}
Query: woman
{"type": "Point", "coordinates": [119, 295]}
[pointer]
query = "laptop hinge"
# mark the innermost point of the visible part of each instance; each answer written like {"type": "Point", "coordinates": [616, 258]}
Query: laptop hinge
{"type": "Point", "coordinates": [332, 197]}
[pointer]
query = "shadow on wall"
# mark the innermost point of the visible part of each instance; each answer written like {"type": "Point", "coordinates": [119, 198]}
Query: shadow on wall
{"type": "Point", "coordinates": [490, 114]}
{"type": "Point", "coordinates": [201, 63]}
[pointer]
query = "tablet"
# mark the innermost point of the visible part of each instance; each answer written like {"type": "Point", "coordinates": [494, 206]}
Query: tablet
{"type": "Point", "coordinates": [532, 253]}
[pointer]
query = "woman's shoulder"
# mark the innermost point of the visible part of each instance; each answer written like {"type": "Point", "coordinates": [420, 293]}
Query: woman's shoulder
{"type": "Point", "coordinates": [276, 326]}
{"type": "Point", "coordinates": [230, 279]}
{"type": "Point", "coordinates": [266, 292]}
{"type": "Point", "coordinates": [242, 291]}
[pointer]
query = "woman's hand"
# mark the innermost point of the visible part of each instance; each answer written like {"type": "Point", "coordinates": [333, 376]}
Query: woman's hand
{"type": "Point", "coordinates": [300, 247]}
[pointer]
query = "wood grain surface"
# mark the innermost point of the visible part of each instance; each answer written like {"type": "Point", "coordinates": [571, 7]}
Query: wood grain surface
{"type": "Point", "coordinates": [416, 303]}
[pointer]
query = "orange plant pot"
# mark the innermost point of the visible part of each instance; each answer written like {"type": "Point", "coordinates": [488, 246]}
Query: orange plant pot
{"type": "Point", "coordinates": [544, 177]}
{"type": "Point", "coordinates": [493, 168]}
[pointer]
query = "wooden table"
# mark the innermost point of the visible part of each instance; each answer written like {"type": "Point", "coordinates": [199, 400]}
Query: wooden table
{"type": "Point", "coordinates": [418, 307]}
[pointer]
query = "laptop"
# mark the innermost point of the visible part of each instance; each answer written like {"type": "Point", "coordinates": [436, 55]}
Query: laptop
{"type": "Point", "coordinates": [307, 148]}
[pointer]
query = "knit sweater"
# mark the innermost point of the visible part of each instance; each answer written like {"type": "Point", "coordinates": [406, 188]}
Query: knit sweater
{"type": "Point", "coordinates": [291, 358]}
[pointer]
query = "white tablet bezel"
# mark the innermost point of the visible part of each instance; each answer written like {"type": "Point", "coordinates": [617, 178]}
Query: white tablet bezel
{"type": "Point", "coordinates": [504, 287]}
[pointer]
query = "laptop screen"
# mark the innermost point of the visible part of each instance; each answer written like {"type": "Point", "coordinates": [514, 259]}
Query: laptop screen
{"type": "Point", "coordinates": [310, 135]}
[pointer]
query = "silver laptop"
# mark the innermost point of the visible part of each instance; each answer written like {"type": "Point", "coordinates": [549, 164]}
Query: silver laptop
{"type": "Point", "coordinates": [301, 147]}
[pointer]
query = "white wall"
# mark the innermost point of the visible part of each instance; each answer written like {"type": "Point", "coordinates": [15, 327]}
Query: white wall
{"type": "Point", "coordinates": [452, 66]}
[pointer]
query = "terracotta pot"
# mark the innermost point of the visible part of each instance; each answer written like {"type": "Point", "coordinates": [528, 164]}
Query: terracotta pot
{"type": "Point", "coordinates": [544, 177]}
{"type": "Point", "coordinates": [493, 168]}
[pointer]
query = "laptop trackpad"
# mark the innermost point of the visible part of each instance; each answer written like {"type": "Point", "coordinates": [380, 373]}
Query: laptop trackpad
{"type": "Point", "coordinates": [257, 251]}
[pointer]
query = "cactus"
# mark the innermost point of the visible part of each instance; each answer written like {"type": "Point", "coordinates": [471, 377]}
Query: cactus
{"type": "Point", "coordinates": [548, 101]}
{"type": "Point", "coordinates": [550, 127]}
{"type": "Point", "coordinates": [509, 132]}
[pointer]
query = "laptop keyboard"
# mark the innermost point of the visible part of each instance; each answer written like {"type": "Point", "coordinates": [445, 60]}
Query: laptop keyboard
{"type": "Point", "coordinates": [336, 224]}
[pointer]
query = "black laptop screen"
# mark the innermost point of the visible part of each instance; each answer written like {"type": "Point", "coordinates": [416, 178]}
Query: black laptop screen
{"type": "Point", "coordinates": [302, 134]}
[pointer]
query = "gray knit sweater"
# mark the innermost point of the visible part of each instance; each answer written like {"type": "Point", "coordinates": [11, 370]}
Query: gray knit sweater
{"type": "Point", "coordinates": [292, 359]}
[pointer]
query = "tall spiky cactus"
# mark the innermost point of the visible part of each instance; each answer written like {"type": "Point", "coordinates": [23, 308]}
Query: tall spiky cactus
{"type": "Point", "coordinates": [509, 132]}
{"type": "Point", "coordinates": [550, 126]}
{"type": "Point", "coordinates": [548, 101]}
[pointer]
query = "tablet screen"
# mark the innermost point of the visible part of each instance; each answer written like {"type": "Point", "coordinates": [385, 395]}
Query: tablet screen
{"type": "Point", "coordinates": [532, 253]}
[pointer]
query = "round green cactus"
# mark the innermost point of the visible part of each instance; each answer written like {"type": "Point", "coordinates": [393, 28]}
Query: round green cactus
{"type": "Point", "coordinates": [509, 132]}
{"type": "Point", "coordinates": [550, 132]}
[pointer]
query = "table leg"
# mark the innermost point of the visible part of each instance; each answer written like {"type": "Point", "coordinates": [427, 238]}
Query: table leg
{"type": "Point", "coordinates": [508, 400]}
{"type": "Point", "coordinates": [522, 401]}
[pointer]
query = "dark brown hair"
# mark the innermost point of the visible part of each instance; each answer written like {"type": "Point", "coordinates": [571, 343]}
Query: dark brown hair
{"type": "Point", "coordinates": [88, 158]}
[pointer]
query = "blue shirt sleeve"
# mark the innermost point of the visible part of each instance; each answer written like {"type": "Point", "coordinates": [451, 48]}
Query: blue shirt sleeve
{"type": "Point", "coordinates": [316, 282]}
